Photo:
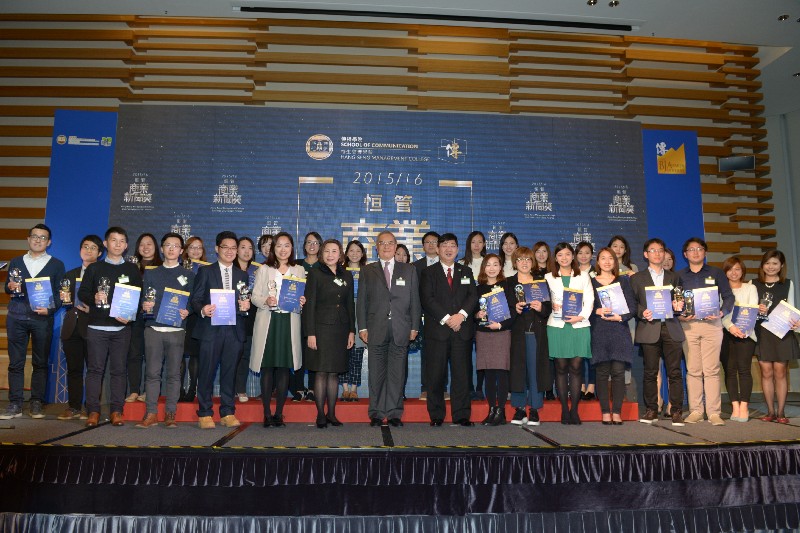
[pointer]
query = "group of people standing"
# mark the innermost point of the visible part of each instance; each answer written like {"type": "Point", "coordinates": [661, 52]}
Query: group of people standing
{"type": "Point", "coordinates": [539, 348]}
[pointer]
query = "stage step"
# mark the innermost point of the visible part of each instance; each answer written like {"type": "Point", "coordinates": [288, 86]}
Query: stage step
{"type": "Point", "coordinates": [415, 411]}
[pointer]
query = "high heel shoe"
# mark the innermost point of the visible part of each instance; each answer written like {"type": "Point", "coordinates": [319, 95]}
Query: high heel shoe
{"type": "Point", "coordinates": [332, 420]}
{"type": "Point", "coordinates": [322, 422]}
{"type": "Point", "coordinates": [267, 420]}
{"type": "Point", "coordinates": [574, 419]}
{"type": "Point", "coordinates": [565, 417]}
{"type": "Point", "coordinates": [606, 422]}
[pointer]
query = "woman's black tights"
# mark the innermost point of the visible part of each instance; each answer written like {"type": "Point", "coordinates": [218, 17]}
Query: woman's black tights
{"type": "Point", "coordinates": [281, 376]}
{"type": "Point", "coordinates": [326, 389]}
{"type": "Point", "coordinates": [572, 368]}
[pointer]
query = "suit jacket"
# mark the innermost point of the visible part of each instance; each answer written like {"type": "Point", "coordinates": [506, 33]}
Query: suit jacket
{"type": "Point", "coordinates": [376, 301]}
{"type": "Point", "coordinates": [209, 277]}
{"type": "Point", "coordinates": [438, 300]}
{"type": "Point", "coordinates": [420, 265]}
{"type": "Point", "coordinates": [74, 318]}
{"type": "Point", "coordinates": [649, 331]}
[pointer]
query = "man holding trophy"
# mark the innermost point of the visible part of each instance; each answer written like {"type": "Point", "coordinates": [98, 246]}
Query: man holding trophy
{"type": "Point", "coordinates": [33, 282]}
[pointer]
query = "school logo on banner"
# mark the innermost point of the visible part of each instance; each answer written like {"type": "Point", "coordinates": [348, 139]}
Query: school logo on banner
{"type": "Point", "coordinates": [538, 204]}
{"type": "Point", "coordinates": [182, 227]}
{"type": "Point", "coordinates": [582, 234]}
{"type": "Point", "coordinates": [227, 199]}
{"type": "Point", "coordinates": [670, 160]}
{"type": "Point", "coordinates": [319, 147]}
{"type": "Point", "coordinates": [272, 226]}
{"type": "Point", "coordinates": [138, 196]}
{"type": "Point", "coordinates": [621, 208]}
{"type": "Point", "coordinates": [494, 235]}
{"type": "Point", "coordinates": [453, 150]}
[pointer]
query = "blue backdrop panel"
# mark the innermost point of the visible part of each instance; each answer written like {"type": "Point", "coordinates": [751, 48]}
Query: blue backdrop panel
{"type": "Point", "coordinates": [348, 174]}
{"type": "Point", "coordinates": [79, 188]}
{"type": "Point", "coordinates": [672, 177]}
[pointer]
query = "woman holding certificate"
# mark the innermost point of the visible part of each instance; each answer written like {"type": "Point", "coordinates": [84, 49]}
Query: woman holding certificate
{"type": "Point", "coordinates": [277, 345]}
{"type": "Point", "coordinates": [329, 320]}
{"type": "Point", "coordinates": [568, 333]}
{"type": "Point", "coordinates": [612, 346]}
{"type": "Point", "coordinates": [774, 353]}
{"type": "Point", "coordinates": [738, 346]}
{"type": "Point", "coordinates": [530, 364]}
{"type": "Point", "coordinates": [493, 336]}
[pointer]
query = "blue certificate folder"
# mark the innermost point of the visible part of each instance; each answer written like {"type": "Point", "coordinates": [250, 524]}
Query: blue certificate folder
{"type": "Point", "coordinates": [619, 305]}
{"type": "Point", "coordinates": [40, 293]}
{"type": "Point", "coordinates": [356, 272]}
{"type": "Point", "coordinates": [496, 305]}
{"type": "Point", "coordinates": [659, 301]}
{"type": "Point", "coordinates": [781, 318]}
{"type": "Point", "coordinates": [291, 290]}
{"type": "Point", "coordinates": [745, 317]}
{"type": "Point", "coordinates": [572, 304]}
{"type": "Point", "coordinates": [536, 291]}
{"type": "Point", "coordinates": [172, 302]}
{"type": "Point", "coordinates": [225, 314]}
{"type": "Point", "coordinates": [706, 302]}
{"type": "Point", "coordinates": [125, 301]}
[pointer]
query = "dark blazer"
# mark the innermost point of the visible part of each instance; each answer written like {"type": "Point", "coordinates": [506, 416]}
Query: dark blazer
{"type": "Point", "coordinates": [420, 265]}
{"type": "Point", "coordinates": [438, 300]}
{"type": "Point", "coordinates": [74, 318]}
{"type": "Point", "coordinates": [328, 302]}
{"type": "Point", "coordinates": [209, 277]}
{"type": "Point", "coordinates": [536, 322]}
{"type": "Point", "coordinates": [649, 332]}
{"type": "Point", "coordinates": [375, 302]}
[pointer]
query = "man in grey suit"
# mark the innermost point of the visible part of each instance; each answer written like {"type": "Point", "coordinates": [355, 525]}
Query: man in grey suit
{"type": "Point", "coordinates": [658, 338]}
{"type": "Point", "coordinates": [388, 315]}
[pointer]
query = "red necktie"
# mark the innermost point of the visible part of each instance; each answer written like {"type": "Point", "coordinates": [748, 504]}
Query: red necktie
{"type": "Point", "coordinates": [449, 277]}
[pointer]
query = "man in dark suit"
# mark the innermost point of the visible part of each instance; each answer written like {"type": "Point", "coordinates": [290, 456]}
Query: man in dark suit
{"type": "Point", "coordinates": [74, 329]}
{"type": "Point", "coordinates": [658, 338]}
{"type": "Point", "coordinates": [430, 247]}
{"type": "Point", "coordinates": [388, 315]}
{"type": "Point", "coordinates": [449, 298]}
{"type": "Point", "coordinates": [219, 345]}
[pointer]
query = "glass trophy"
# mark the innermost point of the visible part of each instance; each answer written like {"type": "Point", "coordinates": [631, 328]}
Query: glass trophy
{"type": "Point", "coordinates": [104, 287]}
{"type": "Point", "coordinates": [482, 305]}
{"type": "Point", "coordinates": [244, 294]}
{"type": "Point", "coordinates": [16, 276]}
{"type": "Point", "coordinates": [677, 295]}
{"type": "Point", "coordinates": [688, 303]}
{"type": "Point", "coordinates": [520, 292]}
{"type": "Point", "coordinates": [272, 288]}
{"type": "Point", "coordinates": [133, 259]}
{"type": "Point", "coordinates": [766, 301]}
{"type": "Point", "coordinates": [149, 297]}
{"type": "Point", "coordinates": [605, 301]}
{"type": "Point", "coordinates": [66, 293]}
{"type": "Point", "coordinates": [187, 264]}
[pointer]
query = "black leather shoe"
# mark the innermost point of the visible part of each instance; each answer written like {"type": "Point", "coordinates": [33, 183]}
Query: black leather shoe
{"type": "Point", "coordinates": [322, 422]}
{"type": "Point", "coordinates": [332, 420]}
{"type": "Point", "coordinates": [267, 421]}
{"type": "Point", "coordinates": [565, 417]}
{"type": "Point", "coordinates": [574, 419]}
{"type": "Point", "coordinates": [375, 422]}
{"type": "Point", "coordinates": [466, 422]}
{"type": "Point", "coordinates": [437, 422]}
{"type": "Point", "coordinates": [488, 420]}
{"type": "Point", "coordinates": [278, 422]}
{"type": "Point", "coordinates": [548, 395]}
{"type": "Point", "coordinates": [395, 422]}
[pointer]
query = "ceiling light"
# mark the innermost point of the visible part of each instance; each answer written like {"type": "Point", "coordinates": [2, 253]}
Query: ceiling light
{"type": "Point", "coordinates": [796, 74]}
{"type": "Point", "coordinates": [613, 3]}
{"type": "Point", "coordinates": [783, 17]}
{"type": "Point", "coordinates": [591, 2]}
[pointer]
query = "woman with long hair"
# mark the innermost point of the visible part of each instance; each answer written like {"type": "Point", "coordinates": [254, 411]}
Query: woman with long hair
{"type": "Point", "coordinates": [245, 253]}
{"type": "Point", "coordinates": [508, 243]}
{"type": "Point", "coordinates": [622, 249]}
{"type": "Point", "coordinates": [194, 251]}
{"type": "Point", "coordinates": [355, 257]}
{"type": "Point", "coordinates": [311, 248]}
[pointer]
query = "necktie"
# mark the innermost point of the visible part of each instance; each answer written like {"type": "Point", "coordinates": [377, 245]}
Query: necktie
{"type": "Point", "coordinates": [387, 274]}
{"type": "Point", "coordinates": [227, 279]}
{"type": "Point", "coordinates": [450, 277]}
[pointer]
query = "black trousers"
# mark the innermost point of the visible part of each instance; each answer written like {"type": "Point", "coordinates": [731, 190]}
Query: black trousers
{"type": "Point", "coordinates": [438, 354]}
{"type": "Point", "coordinates": [220, 351]}
{"type": "Point", "coordinates": [672, 352]}
{"type": "Point", "coordinates": [76, 354]}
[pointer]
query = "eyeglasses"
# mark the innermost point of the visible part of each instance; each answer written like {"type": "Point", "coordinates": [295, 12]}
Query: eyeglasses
{"type": "Point", "coordinates": [655, 251]}
{"type": "Point", "coordinates": [312, 243]}
{"type": "Point", "coordinates": [430, 242]}
{"type": "Point", "coordinates": [387, 243]}
{"type": "Point", "coordinates": [696, 249]}
{"type": "Point", "coordinates": [90, 247]}
{"type": "Point", "coordinates": [38, 238]}
{"type": "Point", "coordinates": [228, 248]}
{"type": "Point", "coordinates": [195, 247]}
{"type": "Point", "coordinates": [524, 260]}
{"type": "Point", "coordinates": [172, 246]}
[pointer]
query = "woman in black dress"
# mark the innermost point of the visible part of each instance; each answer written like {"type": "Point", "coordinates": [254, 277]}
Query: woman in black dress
{"type": "Point", "coordinates": [330, 323]}
{"type": "Point", "coordinates": [193, 251]}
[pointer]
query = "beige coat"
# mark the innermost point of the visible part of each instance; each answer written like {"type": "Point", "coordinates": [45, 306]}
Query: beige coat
{"type": "Point", "coordinates": [259, 298]}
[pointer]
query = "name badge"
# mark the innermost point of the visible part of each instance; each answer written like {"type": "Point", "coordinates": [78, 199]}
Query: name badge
{"type": "Point", "coordinates": [466, 281]}
{"type": "Point", "coordinates": [710, 281]}
{"type": "Point", "coordinates": [124, 279]}
{"type": "Point", "coordinates": [338, 282]}
{"type": "Point", "coordinates": [400, 282]}
{"type": "Point", "coordinates": [182, 280]}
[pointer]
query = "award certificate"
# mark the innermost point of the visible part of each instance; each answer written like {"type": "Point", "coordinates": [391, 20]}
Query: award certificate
{"type": "Point", "coordinates": [536, 291]}
{"type": "Point", "coordinates": [659, 301]}
{"type": "Point", "coordinates": [172, 301]}
{"type": "Point", "coordinates": [497, 305]}
{"type": "Point", "coordinates": [744, 317]}
{"type": "Point", "coordinates": [706, 302]}
{"type": "Point", "coordinates": [125, 301]}
{"type": "Point", "coordinates": [781, 318]}
{"type": "Point", "coordinates": [292, 289]}
{"type": "Point", "coordinates": [356, 272]}
{"type": "Point", "coordinates": [40, 293]}
{"type": "Point", "coordinates": [572, 304]}
{"type": "Point", "coordinates": [225, 301]}
{"type": "Point", "coordinates": [619, 305]}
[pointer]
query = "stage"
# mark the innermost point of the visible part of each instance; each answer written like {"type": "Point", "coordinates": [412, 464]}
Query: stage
{"type": "Point", "coordinates": [741, 476]}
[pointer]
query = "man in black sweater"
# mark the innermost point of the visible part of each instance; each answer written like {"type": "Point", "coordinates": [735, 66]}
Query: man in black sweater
{"type": "Point", "coordinates": [108, 338]}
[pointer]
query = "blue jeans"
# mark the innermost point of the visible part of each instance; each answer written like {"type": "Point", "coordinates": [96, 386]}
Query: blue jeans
{"type": "Point", "coordinates": [40, 331]}
{"type": "Point", "coordinates": [534, 398]}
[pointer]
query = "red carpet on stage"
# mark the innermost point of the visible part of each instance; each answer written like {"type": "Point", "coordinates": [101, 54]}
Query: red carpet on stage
{"type": "Point", "coordinates": [415, 411]}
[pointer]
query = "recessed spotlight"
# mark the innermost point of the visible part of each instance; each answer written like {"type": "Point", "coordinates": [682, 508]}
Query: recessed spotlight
{"type": "Point", "coordinates": [591, 2]}
{"type": "Point", "coordinates": [796, 74]}
{"type": "Point", "coordinates": [783, 17]}
{"type": "Point", "coordinates": [613, 3]}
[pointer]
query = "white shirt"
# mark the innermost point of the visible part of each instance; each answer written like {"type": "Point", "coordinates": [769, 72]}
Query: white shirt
{"type": "Point", "coordinates": [658, 279]}
{"type": "Point", "coordinates": [431, 260]}
{"type": "Point", "coordinates": [391, 265]}
{"type": "Point", "coordinates": [453, 275]}
{"type": "Point", "coordinates": [35, 264]}
{"type": "Point", "coordinates": [222, 269]}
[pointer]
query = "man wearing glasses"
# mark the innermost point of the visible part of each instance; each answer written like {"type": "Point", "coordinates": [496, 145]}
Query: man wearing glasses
{"type": "Point", "coordinates": [430, 245]}
{"type": "Point", "coordinates": [219, 345]}
{"type": "Point", "coordinates": [24, 322]}
{"type": "Point", "coordinates": [658, 337]}
{"type": "Point", "coordinates": [703, 337]}
{"type": "Point", "coordinates": [388, 316]}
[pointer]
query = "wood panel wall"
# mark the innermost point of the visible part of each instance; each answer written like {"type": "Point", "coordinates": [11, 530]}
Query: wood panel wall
{"type": "Point", "coordinates": [99, 61]}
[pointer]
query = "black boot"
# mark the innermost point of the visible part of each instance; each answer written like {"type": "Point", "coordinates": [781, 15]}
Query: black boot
{"type": "Point", "coordinates": [488, 420]}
